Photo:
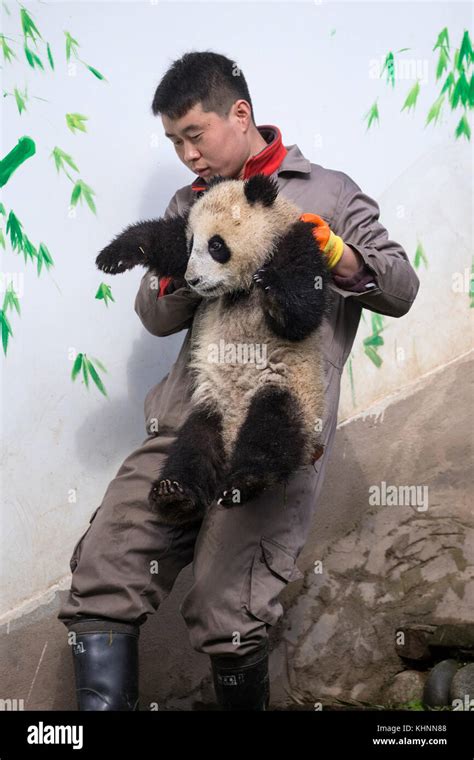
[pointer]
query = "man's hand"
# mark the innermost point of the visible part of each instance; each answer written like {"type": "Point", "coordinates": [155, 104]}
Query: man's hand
{"type": "Point", "coordinates": [341, 259]}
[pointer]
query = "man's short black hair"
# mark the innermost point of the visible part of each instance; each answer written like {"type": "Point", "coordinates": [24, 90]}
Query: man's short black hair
{"type": "Point", "coordinates": [200, 77]}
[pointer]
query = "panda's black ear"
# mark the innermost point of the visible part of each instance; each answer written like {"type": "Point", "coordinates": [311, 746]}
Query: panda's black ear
{"type": "Point", "coordinates": [261, 189]}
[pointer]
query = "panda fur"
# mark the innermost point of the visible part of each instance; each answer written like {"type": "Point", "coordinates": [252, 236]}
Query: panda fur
{"type": "Point", "coordinates": [264, 282]}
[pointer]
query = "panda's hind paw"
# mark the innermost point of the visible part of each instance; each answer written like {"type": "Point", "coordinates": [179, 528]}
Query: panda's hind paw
{"type": "Point", "coordinates": [174, 502]}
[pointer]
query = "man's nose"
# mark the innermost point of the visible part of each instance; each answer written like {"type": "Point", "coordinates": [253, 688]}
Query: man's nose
{"type": "Point", "coordinates": [194, 281]}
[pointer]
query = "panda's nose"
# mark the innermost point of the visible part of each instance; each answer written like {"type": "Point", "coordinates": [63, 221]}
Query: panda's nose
{"type": "Point", "coordinates": [194, 281]}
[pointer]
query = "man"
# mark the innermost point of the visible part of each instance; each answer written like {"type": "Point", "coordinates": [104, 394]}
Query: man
{"type": "Point", "coordinates": [126, 562]}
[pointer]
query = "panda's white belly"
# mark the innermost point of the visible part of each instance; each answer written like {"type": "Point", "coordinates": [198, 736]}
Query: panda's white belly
{"type": "Point", "coordinates": [234, 354]}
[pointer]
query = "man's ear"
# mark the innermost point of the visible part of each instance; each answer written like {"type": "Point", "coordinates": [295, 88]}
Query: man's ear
{"type": "Point", "coordinates": [261, 189]}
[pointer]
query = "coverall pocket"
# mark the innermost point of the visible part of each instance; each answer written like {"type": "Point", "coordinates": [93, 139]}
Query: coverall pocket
{"type": "Point", "coordinates": [75, 553]}
{"type": "Point", "coordinates": [273, 567]}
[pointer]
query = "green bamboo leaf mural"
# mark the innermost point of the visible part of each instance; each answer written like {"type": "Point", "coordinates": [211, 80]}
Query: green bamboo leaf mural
{"type": "Point", "coordinates": [465, 51]}
{"type": "Point", "coordinates": [44, 257]}
{"type": "Point", "coordinates": [351, 379]}
{"type": "Point", "coordinates": [104, 292]}
{"type": "Point", "coordinates": [14, 228]}
{"type": "Point", "coordinates": [390, 68]}
{"type": "Point", "coordinates": [412, 97]}
{"type": "Point", "coordinates": [463, 128]}
{"type": "Point", "coordinates": [10, 300]}
{"type": "Point", "coordinates": [24, 149]}
{"type": "Point", "coordinates": [99, 364]}
{"type": "Point", "coordinates": [449, 84]}
{"type": "Point", "coordinates": [29, 250]}
{"type": "Point", "coordinates": [20, 99]}
{"type": "Point", "coordinates": [373, 356]}
{"type": "Point", "coordinates": [80, 191]}
{"type": "Point", "coordinates": [95, 377]}
{"type": "Point", "coordinates": [2, 240]}
{"type": "Point", "coordinates": [7, 51]}
{"type": "Point", "coordinates": [82, 362]}
{"type": "Point", "coordinates": [28, 26]}
{"type": "Point", "coordinates": [442, 63]}
{"type": "Point", "coordinates": [420, 256]}
{"type": "Point", "coordinates": [372, 115]}
{"type": "Point", "coordinates": [435, 110]}
{"type": "Point", "coordinates": [443, 39]}
{"type": "Point", "coordinates": [95, 72]}
{"type": "Point", "coordinates": [6, 330]}
{"type": "Point", "coordinates": [75, 121]}
{"type": "Point", "coordinates": [60, 157]}
{"type": "Point", "coordinates": [85, 372]}
{"type": "Point", "coordinates": [50, 56]}
{"type": "Point", "coordinates": [33, 59]}
{"type": "Point", "coordinates": [71, 45]}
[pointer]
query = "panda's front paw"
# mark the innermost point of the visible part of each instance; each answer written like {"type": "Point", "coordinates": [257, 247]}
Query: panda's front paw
{"type": "Point", "coordinates": [265, 278]}
{"type": "Point", "coordinates": [119, 256]}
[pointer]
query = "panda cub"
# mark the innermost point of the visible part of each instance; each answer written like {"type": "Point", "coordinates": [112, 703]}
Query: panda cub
{"type": "Point", "coordinates": [265, 288]}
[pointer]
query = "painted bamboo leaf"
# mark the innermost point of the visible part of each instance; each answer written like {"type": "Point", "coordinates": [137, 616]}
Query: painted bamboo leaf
{"type": "Point", "coordinates": [85, 373]}
{"type": "Point", "coordinates": [76, 368]}
{"type": "Point", "coordinates": [95, 72]}
{"type": "Point", "coordinates": [95, 376]}
{"type": "Point", "coordinates": [11, 300]}
{"type": "Point", "coordinates": [6, 330]}
{"type": "Point", "coordinates": [435, 110]}
{"type": "Point", "coordinates": [29, 250]}
{"type": "Point", "coordinates": [373, 356]}
{"type": "Point", "coordinates": [389, 66]}
{"type": "Point", "coordinates": [80, 191]}
{"type": "Point", "coordinates": [442, 63]}
{"type": "Point", "coordinates": [60, 157]}
{"type": "Point", "coordinates": [463, 128]}
{"type": "Point", "coordinates": [28, 26]}
{"type": "Point", "coordinates": [50, 56]}
{"type": "Point", "coordinates": [449, 84]}
{"type": "Point", "coordinates": [33, 59]}
{"type": "Point", "coordinates": [377, 322]}
{"type": "Point", "coordinates": [465, 51]}
{"type": "Point", "coordinates": [104, 292]}
{"type": "Point", "coordinates": [71, 45]}
{"type": "Point", "coordinates": [2, 240]}
{"type": "Point", "coordinates": [14, 228]}
{"type": "Point", "coordinates": [99, 364]}
{"type": "Point", "coordinates": [75, 121]}
{"type": "Point", "coordinates": [7, 52]}
{"type": "Point", "coordinates": [420, 256]}
{"type": "Point", "coordinates": [460, 92]}
{"type": "Point", "coordinates": [443, 39]}
{"type": "Point", "coordinates": [20, 99]}
{"type": "Point", "coordinates": [44, 257]}
{"type": "Point", "coordinates": [372, 115]}
{"type": "Point", "coordinates": [412, 97]}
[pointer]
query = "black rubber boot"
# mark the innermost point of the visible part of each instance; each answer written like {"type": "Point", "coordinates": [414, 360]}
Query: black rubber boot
{"type": "Point", "coordinates": [242, 682]}
{"type": "Point", "coordinates": [105, 657]}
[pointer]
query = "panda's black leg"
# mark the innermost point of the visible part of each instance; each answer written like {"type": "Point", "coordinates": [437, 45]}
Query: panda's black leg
{"type": "Point", "coordinates": [158, 244]}
{"type": "Point", "coordinates": [269, 446]}
{"type": "Point", "coordinates": [188, 481]}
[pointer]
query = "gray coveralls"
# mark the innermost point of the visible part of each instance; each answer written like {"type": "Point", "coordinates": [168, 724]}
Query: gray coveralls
{"type": "Point", "coordinates": [126, 562]}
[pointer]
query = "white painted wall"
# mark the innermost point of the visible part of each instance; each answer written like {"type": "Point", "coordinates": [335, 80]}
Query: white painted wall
{"type": "Point", "coordinates": [316, 86]}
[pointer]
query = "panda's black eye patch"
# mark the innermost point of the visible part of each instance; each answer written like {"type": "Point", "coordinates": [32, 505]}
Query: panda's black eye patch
{"type": "Point", "coordinates": [218, 249]}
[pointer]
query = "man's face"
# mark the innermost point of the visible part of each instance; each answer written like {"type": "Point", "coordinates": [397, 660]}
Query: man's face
{"type": "Point", "coordinates": [208, 144]}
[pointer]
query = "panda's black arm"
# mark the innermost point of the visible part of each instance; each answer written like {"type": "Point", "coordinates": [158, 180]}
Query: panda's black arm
{"type": "Point", "coordinates": [295, 285]}
{"type": "Point", "coordinates": [157, 244]}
